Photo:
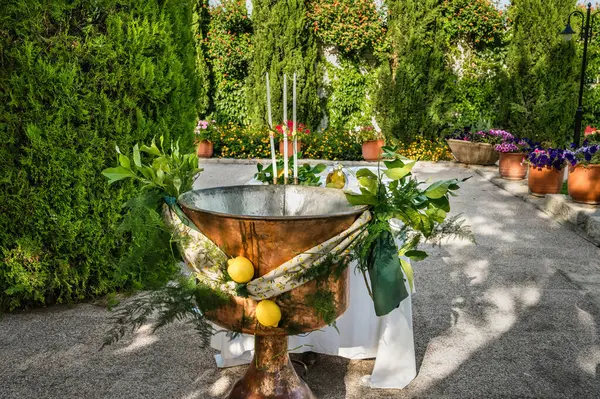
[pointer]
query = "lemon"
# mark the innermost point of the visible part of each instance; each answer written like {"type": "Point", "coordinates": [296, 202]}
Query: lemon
{"type": "Point", "coordinates": [240, 269]}
{"type": "Point", "coordinates": [268, 313]}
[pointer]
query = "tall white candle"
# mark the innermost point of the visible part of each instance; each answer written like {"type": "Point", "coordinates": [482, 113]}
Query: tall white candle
{"type": "Point", "coordinates": [294, 131]}
{"type": "Point", "coordinates": [270, 118]}
{"type": "Point", "coordinates": [285, 131]}
{"type": "Point", "coordinates": [269, 103]}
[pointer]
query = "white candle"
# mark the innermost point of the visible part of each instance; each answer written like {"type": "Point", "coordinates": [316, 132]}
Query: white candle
{"type": "Point", "coordinates": [269, 103]}
{"type": "Point", "coordinates": [294, 131]}
{"type": "Point", "coordinates": [285, 142]}
{"type": "Point", "coordinates": [271, 135]}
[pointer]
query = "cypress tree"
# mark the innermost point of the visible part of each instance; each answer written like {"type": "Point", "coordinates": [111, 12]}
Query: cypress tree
{"type": "Point", "coordinates": [76, 79]}
{"type": "Point", "coordinates": [414, 85]}
{"type": "Point", "coordinates": [201, 20]}
{"type": "Point", "coordinates": [540, 96]}
{"type": "Point", "coordinates": [283, 44]}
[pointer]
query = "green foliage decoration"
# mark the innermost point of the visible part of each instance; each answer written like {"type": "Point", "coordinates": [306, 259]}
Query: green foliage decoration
{"type": "Point", "coordinates": [307, 175]}
{"type": "Point", "coordinates": [422, 212]}
{"type": "Point", "coordinates": [230, 53]}
{"type": "Point", "coordinates": [283, 45]}
{"type": "Point", "coordinates": [185, 300]}
{"type": "Point", "coordinates": [76, 79]}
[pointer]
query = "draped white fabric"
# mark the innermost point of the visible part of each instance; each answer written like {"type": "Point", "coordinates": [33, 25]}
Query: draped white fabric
{"type": "Point", "coordinates": [362, 335]}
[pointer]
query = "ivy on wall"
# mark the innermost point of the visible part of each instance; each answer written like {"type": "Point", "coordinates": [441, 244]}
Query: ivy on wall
{"type": "Point", "coordinates": [350, 94]}
{"type": "Point", "coordinates": [478, 22]}
{"type": "Point", "coordinates": [354, 26]}
{"type": "Point", "coordinates": [229, 44]}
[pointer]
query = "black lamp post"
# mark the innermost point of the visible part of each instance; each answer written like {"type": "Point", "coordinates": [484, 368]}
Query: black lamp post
{"type": "Point", "coordinates": [586, 35]}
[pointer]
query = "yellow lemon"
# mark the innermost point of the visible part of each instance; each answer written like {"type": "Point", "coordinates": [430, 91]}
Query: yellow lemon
{"type": "Point", "coordinates": [240, 269]}
{"type": "Point", "coordinates": [268, 313]}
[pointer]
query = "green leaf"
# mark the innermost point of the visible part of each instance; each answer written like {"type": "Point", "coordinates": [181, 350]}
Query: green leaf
{"type": "Point", "coordinates": [118, 173]}
{"type": "Point", "coordinates": [358, 199]}
{"type": "Point", "coordinates": [124, 161]}
{"type": "Point", "coordinates": [416, 255]}
{"type": "Point", "coordinates": [397, 169]}
{"type": "Point", "coordinates": [152, 150]}
{"type": "Point", "coordinates": [160, 176]}
{"type": "Point", "coordinates": [398, 173]}
{"type": "Point", "coordinates": [319, 168]}
{"type": "Point", "coordinates": [137, 161]}
{"type": "Point", "coordinates": [177, 183]}
{"type": "Point", "coordinates": [441, 203]}
{"type": "Point", "coordinates": [366, 173]}
{"type": "Point", "coordinates": [148, 172]}
{"type": "Point", "coordinates": [396, 163]}
{"type": "Point", "coordinates": [369, 184]}
{"type": "Point", "coordinates": [438, 189]}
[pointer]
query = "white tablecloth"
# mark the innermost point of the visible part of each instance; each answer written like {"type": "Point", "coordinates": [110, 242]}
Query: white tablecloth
{"type": "Point", "coordinates": [363, 335]}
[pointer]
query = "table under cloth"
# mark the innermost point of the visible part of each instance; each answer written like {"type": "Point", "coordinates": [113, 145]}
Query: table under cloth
{"type": "Point", "coordinates": [362, 335]}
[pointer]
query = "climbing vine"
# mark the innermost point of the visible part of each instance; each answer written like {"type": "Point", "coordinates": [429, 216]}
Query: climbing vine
{"type": "Point", "coordinates": [477, 21]}
{"type": "Point", "coordinates": [354, 26]}
{"type": "Point", "coordinates": [230, 52]}
{"type": "Point", "coordinates": [349, 100]}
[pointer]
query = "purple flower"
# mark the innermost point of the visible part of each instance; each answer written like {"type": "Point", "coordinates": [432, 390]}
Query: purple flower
{"type": "Point", "coordinates": [553, 158]}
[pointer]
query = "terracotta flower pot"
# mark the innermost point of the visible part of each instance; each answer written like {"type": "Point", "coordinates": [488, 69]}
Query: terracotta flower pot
{"type": "Point", "coordinates": [584, 184]}
{"type": "Point", "coordinates": [473, 153]}
{"type": "Point", "coordinates": [371, 150]}
{"type": "Point", "coordinates": [511, 166]}
{"type": "Point", "coordinates": [290, 147]}
{"type": "Point", "coordinates": [205, 149]}
{"type": "Point", "coordinates": [545, 181]}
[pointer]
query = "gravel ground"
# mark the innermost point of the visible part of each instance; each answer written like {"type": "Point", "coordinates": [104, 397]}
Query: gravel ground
{"type": "Point", "coordinates": [497, 319]}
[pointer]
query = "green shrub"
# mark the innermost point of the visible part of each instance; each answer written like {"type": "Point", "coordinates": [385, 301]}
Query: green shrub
{"type": "Point", "coordinates": [539, 96]}
{"type": "Point", "coordinates": [76, 79]}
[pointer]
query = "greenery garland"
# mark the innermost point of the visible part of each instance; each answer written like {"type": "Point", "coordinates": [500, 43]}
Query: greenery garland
{"type": "Point", "coordinates": [422, 213]}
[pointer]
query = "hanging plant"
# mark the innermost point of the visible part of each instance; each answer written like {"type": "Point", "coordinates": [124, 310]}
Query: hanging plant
{"type": "Point", "coordinates": [354, 26]}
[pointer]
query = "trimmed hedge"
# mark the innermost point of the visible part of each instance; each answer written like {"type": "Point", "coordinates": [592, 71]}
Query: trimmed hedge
{"type": "Point", "coordinates": [77, 78]}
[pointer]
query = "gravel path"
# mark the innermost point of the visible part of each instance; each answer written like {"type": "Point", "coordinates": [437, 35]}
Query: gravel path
{"type": "Point", "coordinates": [497, 319]}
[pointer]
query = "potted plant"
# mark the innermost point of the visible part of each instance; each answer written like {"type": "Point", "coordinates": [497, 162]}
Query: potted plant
{"type": "Point", "coordinates": [372, 142]}
{"type": "Point", "coordinates": [512, 156]}
{"type": "Point", "coordinates": [545, 171]}
{"type": "Point", "coordinates": [584, 173]}
{"type": "Point", "coordinates": [476, 148]}
{"type": "Point", "coordinates": [204, 134]}
{"type": "Point", "coordinates": [301, 130]}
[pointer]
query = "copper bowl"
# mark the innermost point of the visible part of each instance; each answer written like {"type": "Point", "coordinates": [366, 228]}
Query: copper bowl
{"type": "Point", "coordinates": [270, 225]}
